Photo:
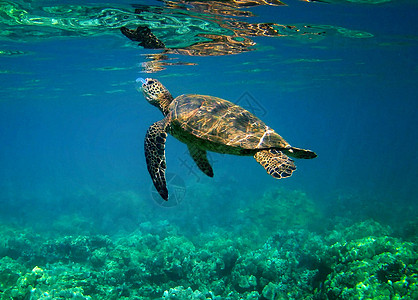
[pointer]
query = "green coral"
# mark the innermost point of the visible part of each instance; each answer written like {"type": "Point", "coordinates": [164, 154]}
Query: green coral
{"type": "Point", "coordinates": [273, 268]}
{"type": "Point", "coordinates": [181, 293]}
{"type": "Point", "coordinates": [285, 209]}
{"type": "Point", "coordinates": [372, 267]}
{"type": "Point", "coordinates": [10, 272]}
{"type": "Point", "coordinates": [158, 261]}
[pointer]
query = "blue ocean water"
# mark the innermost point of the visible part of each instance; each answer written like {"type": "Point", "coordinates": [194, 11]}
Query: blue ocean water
{"type": "Point", "coordinates": [337, 77]}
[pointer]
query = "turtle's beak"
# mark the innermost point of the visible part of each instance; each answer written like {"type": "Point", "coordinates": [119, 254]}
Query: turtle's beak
{"type": "Point", "coordinates": [140, 79]}
{"type": "Point", "coordinates": [140, 83]}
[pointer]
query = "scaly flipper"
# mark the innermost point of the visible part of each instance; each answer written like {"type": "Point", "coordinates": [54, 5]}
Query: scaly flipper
{"type": "Point", "coordinates": [275, 162]}
{"type": "Point", "coordinates": [201, 160]}
{"type": "Point", "coordinates": [155, 156]}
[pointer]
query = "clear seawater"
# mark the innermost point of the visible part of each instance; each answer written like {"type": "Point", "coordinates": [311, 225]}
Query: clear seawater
{"type": "Point", "coordinates": [337, 77]}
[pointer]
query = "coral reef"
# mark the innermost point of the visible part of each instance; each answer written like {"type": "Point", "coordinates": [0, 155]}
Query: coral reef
{"type": "Point", "coordinates": [278, 246]}
{"type": "Point", "coordinates": [372, 267]}
{"type": "Point", "coordinates": [279, 209]}
{"type": "Point", "coordinates": [157, 262]}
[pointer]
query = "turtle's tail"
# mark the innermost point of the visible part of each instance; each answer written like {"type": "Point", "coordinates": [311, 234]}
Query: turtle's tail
{"type": "Point", "coordinates": [275, 162]}
{"type": "Point", "coordinates": [300, 153]}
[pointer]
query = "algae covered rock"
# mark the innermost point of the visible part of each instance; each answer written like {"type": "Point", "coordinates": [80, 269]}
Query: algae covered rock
{"type": "Point", "coordinates": [280, 209]}
{"type": "Point", "coordinates": [272, 291]}
{"type": "Point", "coordinates": [181, 293]}
{"type": "Point", "coordinates": [157, 262]}
{"type": "Point", "coordinates": [31, 284]}
{"type": "Point", "coordinates": [19, 244]}
{"type": "Point", "coordinates": [379, 267]}
{"type": "Point", "coordinates": [367, 228]}
{"type": "Point", "coordinates": [10, 272]}
{"type": "Point", "coordinates": [274, 268]}
{"type": "Point", "coordinates": [72, 248]}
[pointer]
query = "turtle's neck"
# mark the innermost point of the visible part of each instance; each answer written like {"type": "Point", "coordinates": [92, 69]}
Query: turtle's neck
{"type": "Point", "coordinates": [164, 103]}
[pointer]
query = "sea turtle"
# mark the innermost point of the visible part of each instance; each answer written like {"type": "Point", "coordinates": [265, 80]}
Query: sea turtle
{"type": "Point", "coordinates": [207, 123]}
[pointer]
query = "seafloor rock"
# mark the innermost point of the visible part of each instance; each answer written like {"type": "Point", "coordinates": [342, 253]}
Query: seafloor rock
{"type": "Point", "coordinates": [18, 244]}
{"type": "Point", "coordinates": [181, 293]}
{"type": "Point", "coordinates": [156, 262]}
{"type": "Point", "coordinates": [372, 268]}
{"type": "Point", "coordinates": [72, 248]}
{"type": "Point", "coordinates": [368, 228]}
{"type": "Point", "coordinates": [274, 268]}
{"type": "Point", "coordinates": [285, 210]}
{"type": "Point", "coordinates": [10, 272]}
{"type": "Point", "coordinates": [410, 230]}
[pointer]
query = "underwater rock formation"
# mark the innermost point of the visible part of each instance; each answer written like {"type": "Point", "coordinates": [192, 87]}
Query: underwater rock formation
{"type": "Point", "coordinates": [278, 209]}
{"type": "Point", "coordinates": [372, 268]}
{"type": "Point", "coordinates": [359, 262]}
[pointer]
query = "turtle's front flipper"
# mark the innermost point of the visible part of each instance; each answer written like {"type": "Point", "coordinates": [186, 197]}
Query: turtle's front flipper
{"type": "Point", "coordinates": [201, 160]}
{"type": "Point", "coordinates": [275, 162]}
{"type": "Point", "coordinates": [155, 156]}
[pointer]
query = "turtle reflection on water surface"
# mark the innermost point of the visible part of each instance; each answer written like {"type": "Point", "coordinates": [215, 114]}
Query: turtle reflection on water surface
{"type": "Point", "coordinates": [207, 123]}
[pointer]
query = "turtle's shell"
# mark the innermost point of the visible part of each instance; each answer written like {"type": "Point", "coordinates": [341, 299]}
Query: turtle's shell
{"type": "Point", "coordinates": [220, 122]}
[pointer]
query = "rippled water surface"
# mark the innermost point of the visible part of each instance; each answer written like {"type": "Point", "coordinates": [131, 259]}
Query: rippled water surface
{"type": "Point", "coordinates": [338, 77]}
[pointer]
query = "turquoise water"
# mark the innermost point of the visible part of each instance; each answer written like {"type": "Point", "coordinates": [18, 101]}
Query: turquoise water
{"type": "Point", "coordinates": [79, 216]}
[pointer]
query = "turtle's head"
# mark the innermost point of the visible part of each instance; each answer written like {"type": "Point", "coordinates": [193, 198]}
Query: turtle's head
{"type": "Point", "coordinates": [155, 93]}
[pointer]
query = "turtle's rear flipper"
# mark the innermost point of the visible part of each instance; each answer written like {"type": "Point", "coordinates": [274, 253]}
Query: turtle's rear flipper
{"type": "Point", "coordinates": [275, 162]}
{"type": "Point", "coordinates": [201, 160]}
{"type": "Point", "coordinates": [300, 153]}
{"type": "Point", "coordinates": [155, 156]}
